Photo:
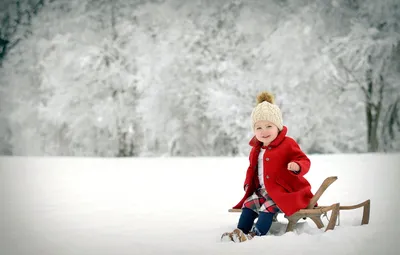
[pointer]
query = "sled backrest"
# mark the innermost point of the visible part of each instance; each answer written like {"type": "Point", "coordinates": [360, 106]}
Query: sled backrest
{"type": "Point", "coordinates": [327, 182]}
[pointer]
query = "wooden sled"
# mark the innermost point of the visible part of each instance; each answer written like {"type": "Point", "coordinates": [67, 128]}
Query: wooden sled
{"type": "Point", "coordinates": [315, 213]}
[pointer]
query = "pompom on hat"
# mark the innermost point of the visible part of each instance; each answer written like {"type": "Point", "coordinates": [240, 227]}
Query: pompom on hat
{"type": "Point", "coordinates": [267, 110]}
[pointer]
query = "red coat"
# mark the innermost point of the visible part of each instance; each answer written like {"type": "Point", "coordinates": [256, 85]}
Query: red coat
{"type": "Point", "coordinates": [291, 192]}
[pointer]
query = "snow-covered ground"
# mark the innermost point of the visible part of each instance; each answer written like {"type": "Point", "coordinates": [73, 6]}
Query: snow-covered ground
{"type": "Point", "coordinates": [144, 206]}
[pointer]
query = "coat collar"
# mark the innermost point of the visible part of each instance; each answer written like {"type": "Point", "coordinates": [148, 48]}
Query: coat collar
{"type": "Point", "coordinates": [281, 136]}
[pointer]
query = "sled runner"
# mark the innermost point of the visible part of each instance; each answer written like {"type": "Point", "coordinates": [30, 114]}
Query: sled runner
{"type": "Point", "coordinates": [315, 213]}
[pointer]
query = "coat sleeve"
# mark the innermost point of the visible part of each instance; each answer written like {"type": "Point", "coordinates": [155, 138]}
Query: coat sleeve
{"type": "Point", "coordinates": [249, 173]}
{"type": "Point", "coordinates": [298, 156]}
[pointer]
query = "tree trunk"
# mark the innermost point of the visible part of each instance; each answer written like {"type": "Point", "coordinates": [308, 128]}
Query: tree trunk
{"type": "Point", "coordinates": [373, 109]}
{"type": "Point", "coordinates": [372, 129]}
{"type": "Point", "coordinates": [392, 121]}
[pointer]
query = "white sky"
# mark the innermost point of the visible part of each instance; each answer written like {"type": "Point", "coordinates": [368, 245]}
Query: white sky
{"type": "Point", "coordinates": [98, 206]}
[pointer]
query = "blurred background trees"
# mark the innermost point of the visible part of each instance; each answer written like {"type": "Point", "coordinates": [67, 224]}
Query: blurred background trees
{"type": "Point", "coordinates": [179, 78]}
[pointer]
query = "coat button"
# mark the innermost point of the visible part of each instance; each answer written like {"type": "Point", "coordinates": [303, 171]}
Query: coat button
{"type": "Point", "coordinates": [269, 148]}
{"type": "Point", "coordinates": [267, 159]}
{"type": "Point", "coordinates": [267, 176]}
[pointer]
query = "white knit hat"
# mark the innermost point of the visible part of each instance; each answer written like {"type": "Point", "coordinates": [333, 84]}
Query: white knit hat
{"type": "Point", "coordinates": [267, 110]}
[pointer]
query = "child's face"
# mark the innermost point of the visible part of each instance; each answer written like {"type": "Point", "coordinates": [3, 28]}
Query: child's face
{"type": "Point", "coordinates": [265, 131]}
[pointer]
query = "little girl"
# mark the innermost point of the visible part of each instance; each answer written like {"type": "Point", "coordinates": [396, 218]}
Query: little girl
{"type": "Point", "coordinates": [274, 180]}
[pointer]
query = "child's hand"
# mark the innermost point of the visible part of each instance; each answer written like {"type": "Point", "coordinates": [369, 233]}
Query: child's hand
{"type": "Point", "coordinates": [293, 166]}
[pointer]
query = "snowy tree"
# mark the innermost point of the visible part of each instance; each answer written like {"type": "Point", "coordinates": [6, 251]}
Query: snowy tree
{"type": "Point", "coordinates": [391, 119]}
{"type": "Point", "coordinates": [363, 59]}
{"type": "Point", "coordinates": [86, 99]}
{"type": "Point", "coordinates": [172, 101]}
{"type": "Point", "coordinates": [94, 93]}
{"type": "Point", "coordinates": [15, 20]}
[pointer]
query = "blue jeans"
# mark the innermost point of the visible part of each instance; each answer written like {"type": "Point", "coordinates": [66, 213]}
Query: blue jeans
{"type": "Point", "coordinates": [263, 223]}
